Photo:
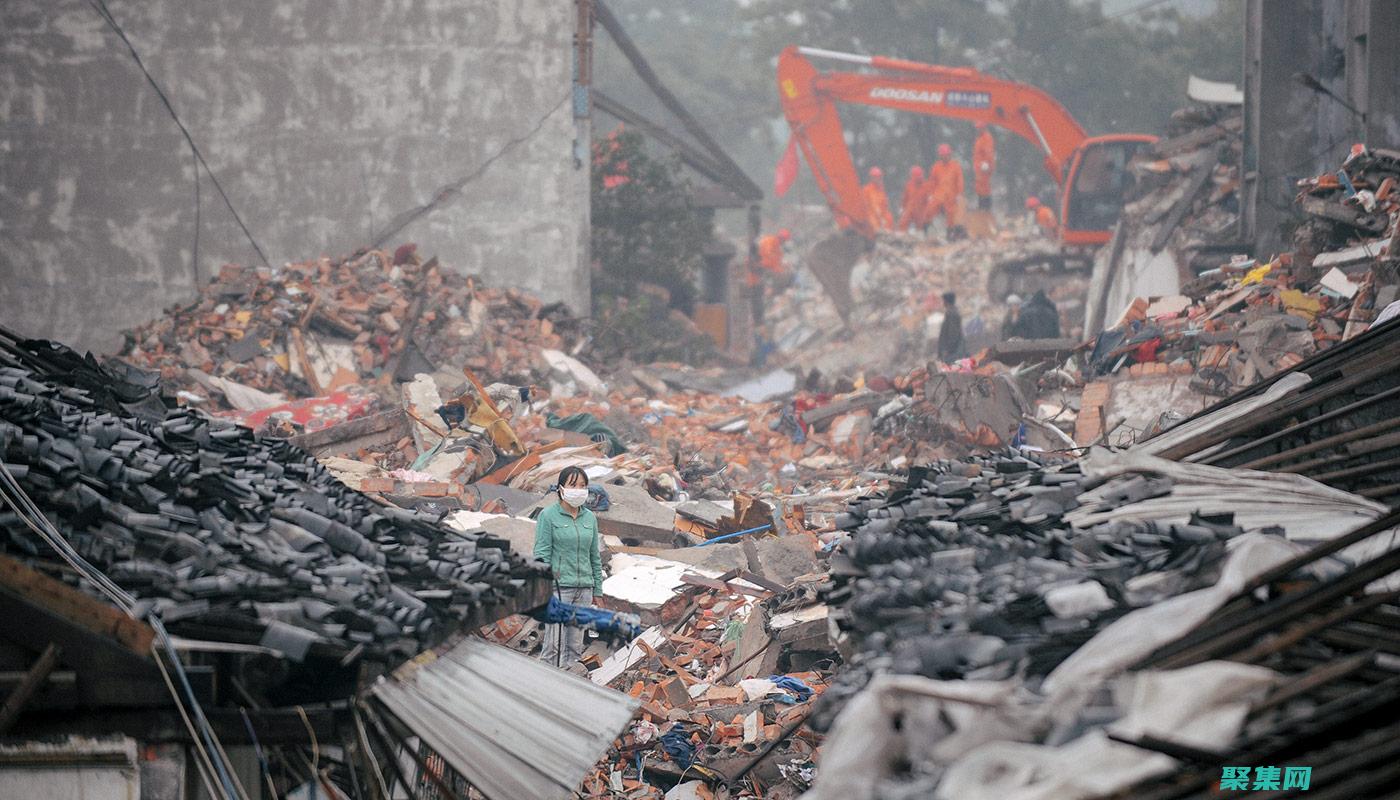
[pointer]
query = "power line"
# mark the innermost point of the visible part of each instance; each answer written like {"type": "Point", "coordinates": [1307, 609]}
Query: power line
{"type": "Point", "coordinates": [454, 188]}
{"type": "Point", "coordinates": [100, 6]}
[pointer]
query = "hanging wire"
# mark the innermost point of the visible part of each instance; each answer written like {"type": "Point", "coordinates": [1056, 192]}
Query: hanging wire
{"type": "Point", "coordinates": [14, 495]}
{"type": "Point", "coordinates": [100, 6]}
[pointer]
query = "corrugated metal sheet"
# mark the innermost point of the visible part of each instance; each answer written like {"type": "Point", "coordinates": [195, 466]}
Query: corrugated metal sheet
{"type": "Point", "coordinates": [512, 726]}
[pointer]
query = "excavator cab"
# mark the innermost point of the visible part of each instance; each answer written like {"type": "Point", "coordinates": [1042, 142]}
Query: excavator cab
{"type": "Point", "coordinates": [1095, 187]}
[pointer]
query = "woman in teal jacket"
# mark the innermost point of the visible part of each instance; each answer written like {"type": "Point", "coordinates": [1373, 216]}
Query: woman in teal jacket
{"type": "Point", "coordinates": [566, 538]}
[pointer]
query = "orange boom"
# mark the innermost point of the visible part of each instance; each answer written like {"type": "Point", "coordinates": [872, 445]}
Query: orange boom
{"type": "Point", "coordinates": [1091, 171]}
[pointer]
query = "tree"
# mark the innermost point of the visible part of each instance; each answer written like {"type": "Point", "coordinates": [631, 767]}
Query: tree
{"type": "Point", "coordinates": [646, 230]}
{"type": "Point", "coordinates": [648, 241]}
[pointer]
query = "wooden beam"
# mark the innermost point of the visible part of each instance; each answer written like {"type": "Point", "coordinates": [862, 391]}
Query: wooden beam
{"type": "Point", "coordinates": [33, 679]}
{"type": "Point", "coordinates": [691, 156]}
{"type": "Point", "coordinates": [738, 181]}
{"type": "Point", "coordinates": [81, 609]}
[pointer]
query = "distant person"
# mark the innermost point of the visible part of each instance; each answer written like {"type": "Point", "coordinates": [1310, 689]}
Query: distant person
{"type": "Point", "coordinates": [1039, 319]}
{"type": "Point", "coordinates": [911, 202]}
{"type": "Point", "coordinates": [770, 250]}
{"type": "Point", "coordinates": [769, 259]}
{"type": "Point", "coordinates": [877, 203]}
{"type": "Point", "coordinates": [566, 538]}
{"type": "Point", "coordinates": [1013, 313]}
{"type": "Point", "coordinates": [984, 164]}
{"type": "Point", "coordinates": [1044, 217]}
{"type": "Point", "coordinates": [946, 198]}
{"type": "Point", "coordinates": [951, 345]}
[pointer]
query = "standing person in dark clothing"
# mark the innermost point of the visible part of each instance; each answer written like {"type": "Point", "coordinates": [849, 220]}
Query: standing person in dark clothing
{"type": "Point", "coordinates": [1012, 318]}
{"type": "Point", "coordinates": [951, 345]}
{"type": "Point", "coordinates": [1039, 318]}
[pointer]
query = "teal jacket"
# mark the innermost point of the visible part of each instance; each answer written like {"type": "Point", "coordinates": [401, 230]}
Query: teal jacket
{"type": "Point", "coordinates": [570, 547]}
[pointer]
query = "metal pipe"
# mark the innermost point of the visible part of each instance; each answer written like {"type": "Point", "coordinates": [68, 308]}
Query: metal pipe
{"type": "Point", "coordinates": [1364, 431]}
{"type": "Point", "coordinates": [1282, 408]}
{"type": "Point", "coordinates": [1304, 630]}
{"type": "Point", "coordinates": [1035, 128]}
{"type": "Point", "coordinates": [836, 55]}
{"type": "Point", "coordinates": [1348, 453]}
{"type": "Point", "coordinates": [1271, 615]}
{"type": "Point", "coordinates": [1305, 425]}
{"type": "Point", "coordinates": [735, 534]}
{"type": "Point", "coordinates": [1364, 469]}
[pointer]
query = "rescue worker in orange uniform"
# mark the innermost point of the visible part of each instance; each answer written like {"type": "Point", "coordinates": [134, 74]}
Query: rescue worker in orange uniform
{"type": "Point", "coordinates": [770, 251]}
{"type": "Point", "coordinates": [946, 177]}
{"type": "Point", "coordinates": [877, 201]}
{"type": "Point", "coordinates": [984, 163]}
{"type": "Point", "coordinates": [770, 259]}
{"type": "Point", "coordinates": [1044, 216]}
{"type": "Point", "coordinates": [912, 200]}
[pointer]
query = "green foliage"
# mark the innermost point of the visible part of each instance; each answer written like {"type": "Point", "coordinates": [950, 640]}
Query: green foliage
{"type": "Point", "coordinates": [645, 228]}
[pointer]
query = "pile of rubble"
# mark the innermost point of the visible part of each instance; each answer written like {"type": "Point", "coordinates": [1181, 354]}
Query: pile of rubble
{"type": "Point", "coordinates": [726, 677]}
{"type": "Point", "coordinates": [896, 306]}
{"type": "Point", "coordinates": [1199, 320]}
{"type": "Point", "coordinates": [227, 535]}
{"type": "Point", "coordinates": [256, 338]}
{"type": "Point", "coordinates": [1124, 625]}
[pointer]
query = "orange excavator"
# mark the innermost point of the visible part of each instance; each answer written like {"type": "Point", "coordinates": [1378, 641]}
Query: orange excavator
{"type": "Point", "coordinates": [1091, 171]}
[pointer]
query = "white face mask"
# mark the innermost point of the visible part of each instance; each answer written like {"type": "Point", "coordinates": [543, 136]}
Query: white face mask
{"type": "Point", "coordinates": [575, 496]}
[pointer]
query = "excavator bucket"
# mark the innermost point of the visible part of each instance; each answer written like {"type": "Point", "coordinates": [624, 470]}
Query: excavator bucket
{"type": "Point", "coordinates": [832, 259]}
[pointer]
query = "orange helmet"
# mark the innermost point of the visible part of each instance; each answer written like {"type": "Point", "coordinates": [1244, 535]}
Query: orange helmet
{"type": "Point", "coordinates": [916, 171]}
{"type": "Point", "coordinates": [876, 172]}
{"type": "Point", "coordinates": [944, 151]}
{"type": "Point", "coordinates": [1032, 202]}
{"type": "Point", "coordinates": [785, 234]}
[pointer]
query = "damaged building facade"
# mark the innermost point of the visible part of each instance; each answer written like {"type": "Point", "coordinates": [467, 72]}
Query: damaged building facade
{"type": "Point", "coordinates": [371, 121]}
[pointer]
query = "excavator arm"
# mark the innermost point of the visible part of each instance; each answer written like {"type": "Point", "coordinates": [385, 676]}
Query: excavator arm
{"type": "Point", "coordinates": [810, 97]}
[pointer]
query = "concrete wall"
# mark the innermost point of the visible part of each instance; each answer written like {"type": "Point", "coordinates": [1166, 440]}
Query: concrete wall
{"type": "Point", "coordinates": [326, 122]}
{"type": "Point", "coordinates": [1292, 131]}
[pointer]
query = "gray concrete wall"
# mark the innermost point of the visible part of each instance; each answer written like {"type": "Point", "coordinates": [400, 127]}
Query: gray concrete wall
{"type": "Point", "coordinates": [1292, 131]}
{"type": "Point", "coordinates": [325, 122]}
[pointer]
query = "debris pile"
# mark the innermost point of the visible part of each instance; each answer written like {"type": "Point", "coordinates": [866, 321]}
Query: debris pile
{"type": "Point", "coordinates": [726, 677]}
{"type": "Point", "coordinates": [1008, 622]}
{"type": "Point", "coordinates": [1198, 322]}
{"type": "Point", "coordinates": [897, 304]}
{"type": "Point", "coordinates": [256, 337]}
{"type": "Point", "coordinates": [227, 535]}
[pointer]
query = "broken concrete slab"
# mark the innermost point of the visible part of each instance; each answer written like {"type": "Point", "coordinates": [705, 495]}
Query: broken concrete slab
{"type": "Point", "coordinates": [636, 518]}
{"type": "Point", "coordinates": [516, 501]}
{"type": "Point", "coordinates": [520, 532]}
{"type": "Point", "coordinates": [571, 375]}
{"type": "Point", "coordinates": [784, 558]}
{"type": "Point", "coordinates": [1019, 351]}
{"type": "Point", "coordinates": [780, 558]}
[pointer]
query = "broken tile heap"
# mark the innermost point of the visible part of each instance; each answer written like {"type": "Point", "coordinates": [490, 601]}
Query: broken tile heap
{"type": "Point", "coordinates": [1008, 624]}
{"type": "Point", "coordinates": [231, 536]}
{"type": "Point", "coordinates": [988, 567]}
{"type": "Point", "coordinates": [315, 327]}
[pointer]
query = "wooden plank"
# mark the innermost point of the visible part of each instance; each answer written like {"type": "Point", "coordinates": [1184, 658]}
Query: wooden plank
{"type": "Point", "coordinates": [385, 427]}
{"type": "Point", "coordinates": [109, 673]}
{"type": "Point", "coordinates": [525, 463]}
{"type": "Point", "coordinates": [33, 679]}
{"type": "Point", "coordinates": [71, 604]}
